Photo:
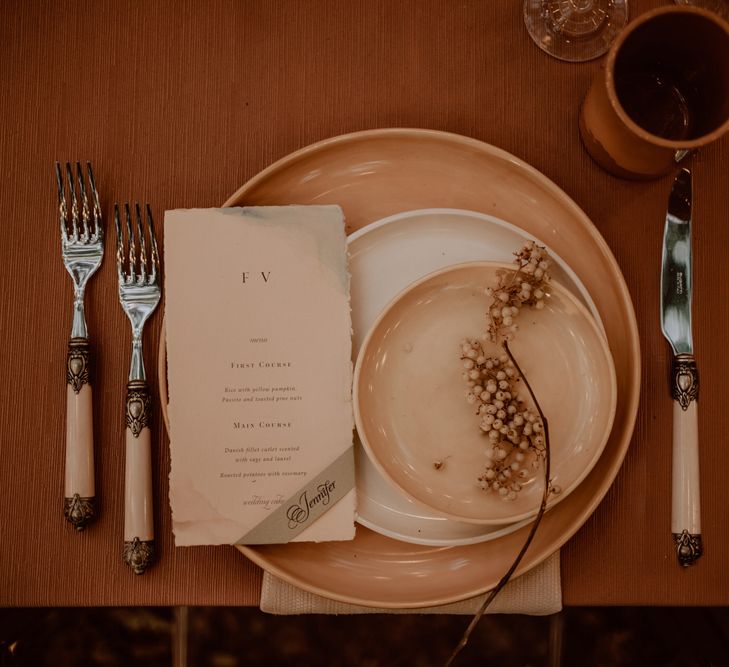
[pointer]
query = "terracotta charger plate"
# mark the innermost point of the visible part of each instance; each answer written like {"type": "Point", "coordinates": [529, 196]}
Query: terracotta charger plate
{"type": "Point", "coordinates": [375, 174]}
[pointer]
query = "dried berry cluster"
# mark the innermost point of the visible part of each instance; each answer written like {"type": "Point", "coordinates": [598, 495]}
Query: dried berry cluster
{"type": "Point", "coordinates": [526, 286]}
{"type": "Point", "coordinates": [516, 442]}
{"type": "Point", "coordinates": [515, 432]}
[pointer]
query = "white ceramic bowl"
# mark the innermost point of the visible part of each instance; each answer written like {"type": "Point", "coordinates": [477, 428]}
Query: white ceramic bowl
{"type": "Point", "coordinates": [409, 400]}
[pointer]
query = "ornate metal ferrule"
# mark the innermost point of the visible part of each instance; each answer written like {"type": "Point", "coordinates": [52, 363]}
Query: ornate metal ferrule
{"type": "Point", "coordinates": [138, 554]}
{"type": "Point", "coordinates": [684, 380]}
{"type": "Point", "coordinates": [136, 371]}
{"type": "Point", "coordinates": [78, 324]}
{"type": "Point", "coordinates": [79, 511]}
{"type": "Point", "coordinates": [78, 363]}
{"type": "Point", "coordinates": [688, 547]}
{"type": "Point", "coordinates": [139, 406]}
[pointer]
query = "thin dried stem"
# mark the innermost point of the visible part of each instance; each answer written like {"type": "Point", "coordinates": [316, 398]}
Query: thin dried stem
{"type": "Point", "coordinates": [537, 520]}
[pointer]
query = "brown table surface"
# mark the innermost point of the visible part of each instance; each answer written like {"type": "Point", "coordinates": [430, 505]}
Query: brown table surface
{"type": "Point", "coordinates": [179, 103]}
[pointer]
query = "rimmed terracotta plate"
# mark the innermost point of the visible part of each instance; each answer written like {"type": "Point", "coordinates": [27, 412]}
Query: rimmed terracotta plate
{"type": "Point", "coordinates": [378, 173]}
{"type": "Point", "coordinates": [409, 401]}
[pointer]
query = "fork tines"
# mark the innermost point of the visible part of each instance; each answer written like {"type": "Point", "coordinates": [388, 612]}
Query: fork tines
{"type": "Point", "coordinates": [80, 229]}
{"type": "Point", "coordinates": [136, 264]}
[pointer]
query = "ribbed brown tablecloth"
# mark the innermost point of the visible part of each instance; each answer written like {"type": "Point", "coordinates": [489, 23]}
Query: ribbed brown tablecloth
{"type": "Point", "coordinates": [179, 103]}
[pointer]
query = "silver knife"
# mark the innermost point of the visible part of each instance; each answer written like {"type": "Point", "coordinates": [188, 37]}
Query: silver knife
{"type": "Point", "coordinates": [676, 285]}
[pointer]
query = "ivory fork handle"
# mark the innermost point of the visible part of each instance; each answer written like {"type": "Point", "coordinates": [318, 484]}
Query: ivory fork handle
{"type": "Point", "coordinates": [138, 501]}
{"type": "Point", "coordinates": [79, 492]}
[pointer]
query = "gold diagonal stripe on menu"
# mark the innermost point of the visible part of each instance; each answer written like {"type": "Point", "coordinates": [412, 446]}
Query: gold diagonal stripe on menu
{"type": "Point", "coordinates": [307, 505]}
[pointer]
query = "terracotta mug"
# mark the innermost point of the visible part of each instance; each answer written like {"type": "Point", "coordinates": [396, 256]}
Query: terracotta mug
{"type": "Point", "coordinates": [664, 91]}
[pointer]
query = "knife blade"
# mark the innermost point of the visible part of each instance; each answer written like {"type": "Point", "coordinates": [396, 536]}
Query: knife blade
{"type": "Point", "coordinates": [676, 296]}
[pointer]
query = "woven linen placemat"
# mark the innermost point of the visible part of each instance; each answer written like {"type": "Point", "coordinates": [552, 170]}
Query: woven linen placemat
{"type": "Point", "coordinates": [537, 593]}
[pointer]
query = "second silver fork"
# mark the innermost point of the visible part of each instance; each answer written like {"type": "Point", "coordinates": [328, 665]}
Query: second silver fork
{"type": "Point", "coordinates": [139, 294]}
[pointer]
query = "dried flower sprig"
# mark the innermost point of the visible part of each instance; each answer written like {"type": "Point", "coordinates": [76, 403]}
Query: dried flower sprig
{"type": "Point", "coordinates": [517, 436]}
{"type": "Point", "coordinates": [515, 432]}
{"type": "Point", "coordinates": [532, 531]}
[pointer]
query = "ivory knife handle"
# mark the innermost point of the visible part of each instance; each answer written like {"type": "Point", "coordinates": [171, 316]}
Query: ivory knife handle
{"type": "Point", "coordinates": [685, 503]}
{"type": "Point", "coordinates": [79, 492]}
{"type": "Point", "coordinates": [138, 500]}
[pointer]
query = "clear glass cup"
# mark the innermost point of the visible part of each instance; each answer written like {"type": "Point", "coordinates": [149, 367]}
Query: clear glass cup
{"type": "Point", "coordinates": [575, 30]}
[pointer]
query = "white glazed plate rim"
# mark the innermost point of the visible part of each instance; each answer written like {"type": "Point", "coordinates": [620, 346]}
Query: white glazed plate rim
{"type": "Point", "coordinates": [466, 235]}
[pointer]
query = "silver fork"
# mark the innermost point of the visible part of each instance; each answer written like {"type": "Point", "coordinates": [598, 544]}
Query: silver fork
{"type": "Point", "coordinates": [139, 294]}
{"type": "Point", "coordinates": [82, 249]}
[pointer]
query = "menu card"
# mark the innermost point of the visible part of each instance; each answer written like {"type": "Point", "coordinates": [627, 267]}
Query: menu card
{"type": "Point", "coordinates": [259, 373]}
